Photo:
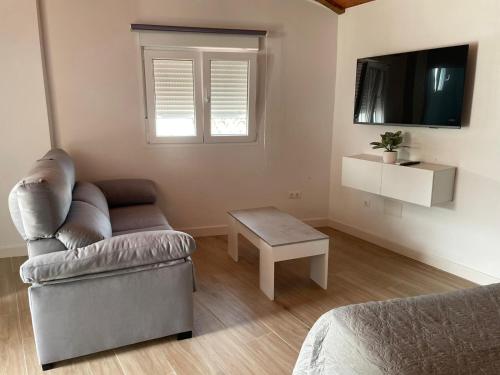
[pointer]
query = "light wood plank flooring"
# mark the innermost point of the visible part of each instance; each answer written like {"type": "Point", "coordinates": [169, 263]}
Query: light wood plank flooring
{"type": "Point", "coordinates": [237, 329]}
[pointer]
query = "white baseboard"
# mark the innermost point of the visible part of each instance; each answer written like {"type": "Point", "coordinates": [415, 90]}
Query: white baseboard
{"type": "Point", "coordinates": [434, 261]}
{"type": "Point", "coordinates": [13, 251]}
{"type": "Point", "coordinates": [219, 230]}
{"type": "Point", "coordinates": [317, 222]}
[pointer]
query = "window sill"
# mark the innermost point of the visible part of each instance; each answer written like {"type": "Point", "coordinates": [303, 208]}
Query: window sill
{"type": "Point", "coordinates": [257, 142]}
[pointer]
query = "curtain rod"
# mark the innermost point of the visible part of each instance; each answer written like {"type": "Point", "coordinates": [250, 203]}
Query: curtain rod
{"type": "Point", "coordinates": [187, 29]}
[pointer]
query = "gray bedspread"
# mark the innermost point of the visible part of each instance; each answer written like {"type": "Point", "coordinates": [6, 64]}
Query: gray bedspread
{"type": "Point", "coordinates": [452, 333]}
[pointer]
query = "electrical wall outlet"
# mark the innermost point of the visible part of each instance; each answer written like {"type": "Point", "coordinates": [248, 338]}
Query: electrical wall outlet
{"type": "Point", "coordinates": [296, 194]}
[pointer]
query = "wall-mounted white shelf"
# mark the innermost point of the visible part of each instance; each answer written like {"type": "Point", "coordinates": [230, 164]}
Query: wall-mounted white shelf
{"type": "Point", "coordinates": [424, 184]}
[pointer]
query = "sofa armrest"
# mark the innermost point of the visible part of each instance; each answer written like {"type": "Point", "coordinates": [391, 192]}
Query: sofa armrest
{"type": "Point", "coordinates": [126, 192]}
{"type": "Point", "coordinates": [115, 253]}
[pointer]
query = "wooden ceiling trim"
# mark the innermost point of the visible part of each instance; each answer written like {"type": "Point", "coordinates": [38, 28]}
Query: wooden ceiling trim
{"type": "Point", "coordinates": [332, 5]}
{"type": "Point", "coordinates": [351, 3]}
{"type": "Point", "coordinates": [339, 6]}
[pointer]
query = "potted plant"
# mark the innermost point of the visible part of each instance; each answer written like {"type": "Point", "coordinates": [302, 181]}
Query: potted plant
{"type": "Point", "coordinates": [390, 142]}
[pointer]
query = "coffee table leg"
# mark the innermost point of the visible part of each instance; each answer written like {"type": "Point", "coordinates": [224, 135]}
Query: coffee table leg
{"type": "Point", "coordinates": [319, 269]}
{"type": "Point", "coordinates": [232, 240]}
{"type": "Point", "coordinates": [266, 270]}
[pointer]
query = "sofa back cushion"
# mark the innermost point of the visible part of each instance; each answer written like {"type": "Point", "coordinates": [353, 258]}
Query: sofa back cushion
{"type": "Point", "coordinates": [89, 193]}
{"type": "Point", "coordinates": [41, 201]}
{"type": "Point", "coordinates": [128, 192]}
{"type": "Point", "coordinates": [84, 225]}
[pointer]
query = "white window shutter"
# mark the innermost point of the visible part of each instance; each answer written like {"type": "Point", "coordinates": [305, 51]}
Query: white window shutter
{"type": "Point", "coordinates": [229, 98]}
{"type": "Point", "coordinates": [175, 112]}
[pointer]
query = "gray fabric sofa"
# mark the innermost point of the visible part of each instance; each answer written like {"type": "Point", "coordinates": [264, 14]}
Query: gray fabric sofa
{"type": "Point", "coordinates": [105, 267]}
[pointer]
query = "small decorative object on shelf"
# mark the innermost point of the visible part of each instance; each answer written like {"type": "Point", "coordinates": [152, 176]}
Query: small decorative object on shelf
{"type": "Point", "coordinates": [391, 142]}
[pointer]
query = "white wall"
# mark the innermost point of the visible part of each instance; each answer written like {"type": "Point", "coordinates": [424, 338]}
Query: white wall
{"type": "Point", "coordinates": [92, 60]}
{"type": "Point", "coordinates": [463, 236]}
{"type": "Point", "coordinates": [95, 85]}
{"type": "Point", "coordinates": [24, 126]}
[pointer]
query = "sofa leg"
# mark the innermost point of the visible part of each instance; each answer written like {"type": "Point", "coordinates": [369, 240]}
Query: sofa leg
{"type": "Point", "coordinates": [48, 366]}
{"type": "Point", "coordinates": [184, 335]}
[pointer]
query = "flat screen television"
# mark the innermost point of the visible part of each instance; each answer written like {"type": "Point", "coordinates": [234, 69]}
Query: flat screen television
{"type": "Point", "coordinates": [421, 88]}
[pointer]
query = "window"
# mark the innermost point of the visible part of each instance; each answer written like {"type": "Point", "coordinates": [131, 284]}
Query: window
{"type": "Point", "coordinates": [200, 96]}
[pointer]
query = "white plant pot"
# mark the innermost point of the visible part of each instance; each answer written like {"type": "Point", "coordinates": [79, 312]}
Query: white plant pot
{"type": "Point", "coordinates": [390, 157]}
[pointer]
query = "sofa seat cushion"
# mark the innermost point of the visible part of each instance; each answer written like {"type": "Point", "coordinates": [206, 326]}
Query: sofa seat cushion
{"type": "Point", "coordinates": [140, 218]}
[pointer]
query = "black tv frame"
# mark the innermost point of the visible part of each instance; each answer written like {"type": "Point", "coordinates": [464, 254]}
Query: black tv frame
{"type": "Point", "coordinates": [460, 124]}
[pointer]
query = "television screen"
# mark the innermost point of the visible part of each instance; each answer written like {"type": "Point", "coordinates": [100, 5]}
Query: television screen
{"type": "Point", "coordinates": [422, 88]}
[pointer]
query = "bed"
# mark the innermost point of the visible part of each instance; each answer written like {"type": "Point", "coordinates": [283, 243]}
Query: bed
{"type": "Point", "coordinates": [452, 333]}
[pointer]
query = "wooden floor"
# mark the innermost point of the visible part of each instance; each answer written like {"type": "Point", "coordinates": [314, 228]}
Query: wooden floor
{"type": "Point", "coordinates": [237, 329]}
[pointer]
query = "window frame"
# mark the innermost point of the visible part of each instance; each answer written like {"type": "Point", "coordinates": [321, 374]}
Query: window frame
{"type": "Point", "coordinates": [154, 54]}
{"type": "Point", "coordinates": [202, 84]}
{"type": "Point", "coordinates": [251, 58]}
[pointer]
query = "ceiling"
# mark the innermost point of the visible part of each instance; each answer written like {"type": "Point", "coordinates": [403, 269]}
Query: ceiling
{"type": "Point", "coordinates": [339, 6]}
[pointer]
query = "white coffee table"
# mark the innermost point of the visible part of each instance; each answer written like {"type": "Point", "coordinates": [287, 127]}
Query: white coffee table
{"type": "Point", "coordinates": [278, 236]}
